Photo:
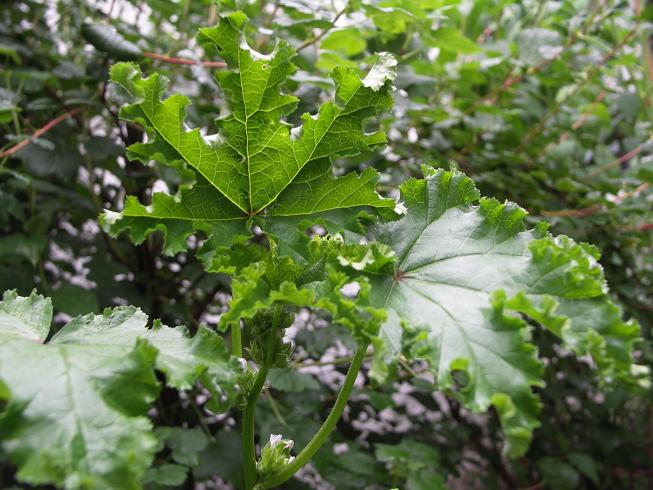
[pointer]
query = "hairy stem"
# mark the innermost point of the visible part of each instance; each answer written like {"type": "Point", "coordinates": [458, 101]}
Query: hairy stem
{"type": "Point", "coordinates": [327, 427]}
{"type": "Point", "coordinates": [249, 448]}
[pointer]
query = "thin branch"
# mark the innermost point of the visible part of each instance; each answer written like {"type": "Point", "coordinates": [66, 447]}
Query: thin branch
{"type": "Point", "coordinates": [636, 191]}
{"type": "Point", "coordinates": [585, 115]}
{"type": "Point", "coordinates": [197, 280]}
{"type": "Point", "coordinates": [184, 61]}
{"type": "Point", "coordinates": [641, 227]}
{"type": "Point", "coordinates": [200, 417]}
{"type": "Point", "coordinates": [110, 12]}
{"type": "Point", "coordinates": [200, 308]}
{"type": "Point", "coordinates": [333, 362]}
{"type": "Point", "coordinates": [39, 132]}
{"type": "Point", "coordinates": [537, 486]}
{"type": "Point", "coordinates": [324, 32]}
{"type": "Point", "coordinates": [589, 75]}
{"type": "Point", "coordinates": [513, 77]}
{"type": "Point", "coordinates": [573, 213]}
{"type": "Point", "coordinates": [112, 247]}
{"type": "Point", "coordinates": [404, 362]}
{"type": "Point", "coordinates": [594, 208]}
{"type": "Point", "coordinates": [619, 161]}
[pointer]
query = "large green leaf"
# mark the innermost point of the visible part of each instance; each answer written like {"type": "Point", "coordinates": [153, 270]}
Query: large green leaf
{"type": "Point", "coordinates": [258, 164]}
{"type": "Point", "coordinates": [75, 407]}
{"type": "Point", "coordinates": [465, 272]}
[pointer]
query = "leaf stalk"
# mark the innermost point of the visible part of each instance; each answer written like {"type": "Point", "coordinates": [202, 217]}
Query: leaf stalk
{"type": "Point", "coordinates": [327, 427]}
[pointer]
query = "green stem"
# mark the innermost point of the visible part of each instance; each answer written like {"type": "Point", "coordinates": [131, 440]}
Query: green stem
{"type": "Point", "coordinates": [327, 427]}
{"type": "Point", "coordinates": [236, 340]}
{"type": "Point", "coordinates": [249, 448]}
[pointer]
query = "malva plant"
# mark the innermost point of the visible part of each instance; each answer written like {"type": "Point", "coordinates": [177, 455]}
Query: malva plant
{"type": "Point", "coordinates": [440, 275]}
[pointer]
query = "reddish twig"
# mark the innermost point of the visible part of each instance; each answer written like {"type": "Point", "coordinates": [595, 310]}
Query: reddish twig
{"type": "Point", "coordinates": [589, 75]}
{"type": "Point", "coordinates": [621, 160]}
{"type": "Point", "coordinates": [487, 32]}
{"type": "Point", "coordinates": [584, 116]}
{"type": "Point", "coordinates": [594, 208]}
{"type": "Point", "coordinates": [184, 61]}
{"type": "Point", "coordinates": [537, 486]}
{"type": "Point", "coordinates": [511, 79]}
{"type": "Point", "coordinates": [514, 77]}
{"type": "Point", "coordinates": [572, 213]}
{"type": "Point", "coordinates": [51, 124]}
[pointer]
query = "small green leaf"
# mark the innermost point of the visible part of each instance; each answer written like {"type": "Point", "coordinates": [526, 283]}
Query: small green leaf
{"type": "Point", "coordinates": [415, 462]}
{"type": "Point", "coordinates": [74, 300]}
{"type": "Point", "coordinates": [348, 41]}
{"type": "Point", "coordinates": [9, 53]}
{"type": "Point", "coordinates": [185, 444]}
{"type": "Point", "coordinates": [454, 40]}
{"type": "Point", "coordinates": [25, 317]}
{"type": "Point", "coordinates": [170, 475]}
{"type": "Point", "coordinates": [586, 465]}
{"type": "Point", "coordinates": [292, 380]}
{"type": "Point", "coordinates": [557, 473]}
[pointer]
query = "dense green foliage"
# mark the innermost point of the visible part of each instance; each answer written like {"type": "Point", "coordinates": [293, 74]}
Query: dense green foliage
{"type": "Point", "coordinates": [306, 207]}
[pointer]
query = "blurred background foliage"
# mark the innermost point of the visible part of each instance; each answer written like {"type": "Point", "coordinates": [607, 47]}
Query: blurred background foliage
{"type": "Point", "coordinates": [545, 103]}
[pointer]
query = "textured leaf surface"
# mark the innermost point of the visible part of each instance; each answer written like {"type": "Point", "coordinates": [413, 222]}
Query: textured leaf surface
{"type": "Point", "coordinates": [78, 400]}
{"type": "Point", "coordinates": [258, 164]}
{"type": "Point", "coordinates": [464, 271]}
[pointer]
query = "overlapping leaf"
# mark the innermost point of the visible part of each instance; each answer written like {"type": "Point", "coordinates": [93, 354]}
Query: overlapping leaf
{"type": "Point", "coordinates": [464, 272]}
{"type": "Point", "coordinates": [259, 164]}
{"type": "Point", "coordinates": [334, 266]}
{"type": "Point", "coordinates": [75, 405]}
